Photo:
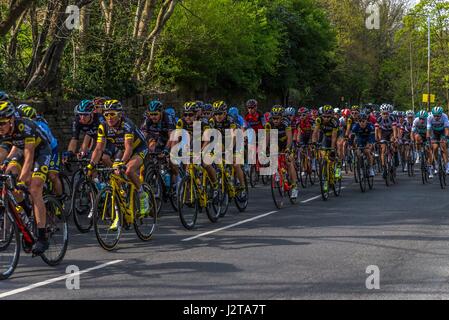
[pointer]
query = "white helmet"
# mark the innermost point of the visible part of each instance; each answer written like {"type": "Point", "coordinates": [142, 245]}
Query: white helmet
{"type": "Point", "coordinates": [410, 113]}
{"type": "Point", "coordinates": [385, 108]}
{"type": "Point", "coordinates": [337, 110]}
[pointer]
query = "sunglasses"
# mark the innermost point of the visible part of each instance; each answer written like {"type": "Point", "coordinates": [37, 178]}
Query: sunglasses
{"type": "Point", "coordinates": [219, 113]}
{"type": "Point", "coordinates": [385, 113]}
{"type": "Point", "coordinates": [153, 114]}
{"type": "Point", "coordinates": [251, 107]}
{"type": "Point", "coordinates": [189, 114]}
{"type": "Point", "coordinates": [85, 115]}
{"type": "Point", "coordinates": [276, 118]}
{"type": "Point", "coordinates": [4, 122]}
{"type": "Point", "coordinates": [111, 114]}
{"type": "Point", "coordinates": [326, 117]}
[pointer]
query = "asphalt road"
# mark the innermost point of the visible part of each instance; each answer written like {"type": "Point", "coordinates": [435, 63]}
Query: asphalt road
{"type": "Point", "coordinates": [312, 250]}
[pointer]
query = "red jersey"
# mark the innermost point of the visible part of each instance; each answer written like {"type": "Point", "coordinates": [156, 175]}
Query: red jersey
{"type": "Point", "coordinates": [306, 125]}
{"type": "Point", "coordinates": [255, 121]}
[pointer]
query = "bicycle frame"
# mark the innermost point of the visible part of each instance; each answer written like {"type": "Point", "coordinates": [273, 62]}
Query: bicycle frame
{"type": "Point", "coordinates": [118, 197]}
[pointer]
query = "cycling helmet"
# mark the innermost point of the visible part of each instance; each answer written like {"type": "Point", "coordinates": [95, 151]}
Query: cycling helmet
{"type": "Point", "coordinates": [27, 111]}
{"type": "Point", "coordinates": [219, 106]}
{"type": "Point", "coordinates": [251, 103]}
{"type": "Point", "coordinates": [320, 110]}
{"type": "Point", "coordinates": [290, 111]}
{"type": "Point", "coordinates": [346, 113]}
{"type": "Point", "coordinates": [99, 101]}
{"type": "Point", "coordinates": [303, 110]}
{"type": "Point", "coordinates": [234, 112]}
{"type": "Point", "coordinates": [423, 114]}
{"type": "Point", "coordinates": [327, 109]}
{"type": "Point", "coordinates": [410, 113]}
{"type": "Point", "coordinates": [314, 112]}
{"type": "Point", "coordinates": [355, 108]}
{"type": "Point", "coordinates": [189, 106]}
{"type": "Point", "coordinates": [385, 108]}
{"type": "Point", "coordinates": [337, 110]}
{"type": "Point", "coordinates": [7, 109]}
{"type": "Point", "coordinates": [437, 111]}
{"type": "Point", "coordinates": [199, 105]}
{"type": "Point", "coordinates": [85, 107]}
{"type": "Point", "coordinates": [277, 110]}
{"type": "Point", "coordinates": [207, 107]}
{"type": "Point", "coordinates": [4, 96]}
{"type": "Point", "coordinates": [363, 116]}
{"type": "Point", "coordinates": [155, 106]}
{"type": "Point", "coordinates": [113, 105]}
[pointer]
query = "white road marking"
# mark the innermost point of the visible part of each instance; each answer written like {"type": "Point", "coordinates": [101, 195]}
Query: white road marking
{"type": "Point", "coordinates": [44, 283]}
{"type": "Point", "coordinates": [230, 226]}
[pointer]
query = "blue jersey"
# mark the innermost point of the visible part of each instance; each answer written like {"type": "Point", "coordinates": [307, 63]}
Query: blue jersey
{"type": "Point", "coordinates": [47, 131]}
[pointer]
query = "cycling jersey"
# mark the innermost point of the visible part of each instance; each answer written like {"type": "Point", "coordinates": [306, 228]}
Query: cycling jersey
{"type": "Point", "coordinates": [363, 135]}
{"type": "Point", "coordinates": [90, 129]}
{"type": "Point", "coordinates": [305, 128]}
{"type": "Point", "coordinates": [436, 127]}
{"type": "Point", "coordinates": [386, 126]}
{"type": "Point", "coordinates": [406, 129]}
{"type": "Point", "coordinates": [283, 127]}
{"type": "Point", "coordinates": [117, 136]}
{"type": "Point", "coordinates": [158, 131]}
{"type": "Point", "coordinates": [327, 130]}
{"type": "Point", "coordinates": [25, 132]}
{"type": "Point", "coordinates": [420, 127]}
{"type": "Point", "coordinates": [255, 121]}
{"type": "Point", "coordinates": [43, 124]}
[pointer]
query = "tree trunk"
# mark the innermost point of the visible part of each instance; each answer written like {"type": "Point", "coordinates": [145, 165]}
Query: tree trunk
{"type": "Point", "coordinates": [17, 9]}
{"type": "Point", "coordinates": [137, 17]}
{"type": "Point", "coordinates": [164, 14]}
{"type": "Point", "coordinates": [46, 75]}
{"type": "Point", "coordinates": [146, 18]}
{"type": "Point", "coordinates": [107, 10]}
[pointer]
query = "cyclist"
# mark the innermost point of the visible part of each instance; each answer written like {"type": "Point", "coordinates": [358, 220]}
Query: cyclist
{"type": "Point", "coordinates": [438, 131]}
{"type": "Point", "coordinates": [253, 118]}
{"type": "Point", "coordinates": [157, 128]}
{"type": "Point", "coordinates": [285, 141]}
{"type": "Point", "coordinates": [304, 129]}
{"type": "Point", "coordinates": [86, 121]}
{"type": "Point", "coordinates": [186, 122]}
{"type": "Point", "coordinates": [30, 157]}
{"type": "Point", "coordinates": [419, 136]}
{"type": "Point", "coordinates": [405, 132]}
{"type": "Point", "coordinates": [222, 122]}
{"type": "Point", "coordinates": [128, 145]}
{"type": "Point", "coordinates": [238, 119]}
{"type": "Point", "coordinates": [364, 138]}
{"type": "Point", "coordinates": [207, 112]}
{"type": "Point", "coordinates": [386, 130]}
{"type": "Point", "coordinates": [99, 103]}
{"type": "Point", "coordinates": [28, 112]}
{"type": "Point", "coordinates": [328, 126]}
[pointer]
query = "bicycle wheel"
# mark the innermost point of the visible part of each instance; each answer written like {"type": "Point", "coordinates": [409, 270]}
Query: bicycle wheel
{"type": "Point", "coordinates": [337, 182]}
{"type": "Point", "coordinates": [188, 205]}
{"type": "Point", "coordinates": [57, 231]}
{"type": "Point", "coordinates": [213, 207]}
{"type": "Point", "coordinates": [83, 202]}
{"type": "Point", "coordinates": [277, 190]}
{"type": "Point", "coordinates": [67, 194]}
{"type": "Point", "coordinates": [241, 201]}
{"type": "Point", "coordinates": [303, 171]}
{"type": "Point", "coordinates": [144, 225]}
{"type": "Point", "coordinates": [253, 176]}
{"type": "Point", "coordinates": [107, 219]}
{"type": "Point", "coordinates": [9, 245]}
{"type": "Point", "coordinates": [441, 172]}
{"type": "Point", "coordinates": [393, 172]}
{"type": "Point", "coordinates": [424, 170]}
{"type": "Point", "coordinates": [153, 178]}
{"type": "Point", "coordinates": [322, 175]}
{"type": "Point", "coordinates": [223, 194]}
{"type": "Point", "coordinates": [360, 173]}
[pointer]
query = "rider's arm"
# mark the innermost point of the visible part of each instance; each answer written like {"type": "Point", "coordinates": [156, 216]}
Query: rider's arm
{"type": "Point", "coordinates": [334, 137]}
{"type": "Point", "coordinates": [86, 143]}
{"type": "Point", "coordinates": [101, 144]}
{"type": "Point", "coordinates": [288, 132]}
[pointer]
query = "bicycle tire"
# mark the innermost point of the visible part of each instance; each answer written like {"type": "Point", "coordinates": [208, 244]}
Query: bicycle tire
{"type": "Point", "coordinates": [109, 212]}
{"type": "Point", "coordinates": [154, 179]}
{"type": "Point", "coordinates": [322, 174]}
{"type": "Point", "coordinates": [277, 190]}
{"type": "Point", "coordinates": [7, 268]}
{"type": "Point", "coordinates": [56, 224]}
{"type": "Point", "coordinates": [152, 218]}
{"type": "Point", "coordinates": [187, 185]}
{"type": "Point", "coordinates": [81, 217]}
{"type": "Point", "coordinates": [240, 203]}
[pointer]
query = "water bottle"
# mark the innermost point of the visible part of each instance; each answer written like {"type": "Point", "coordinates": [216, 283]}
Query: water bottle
{"type": "Point", "coordinates": [166, 177]}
